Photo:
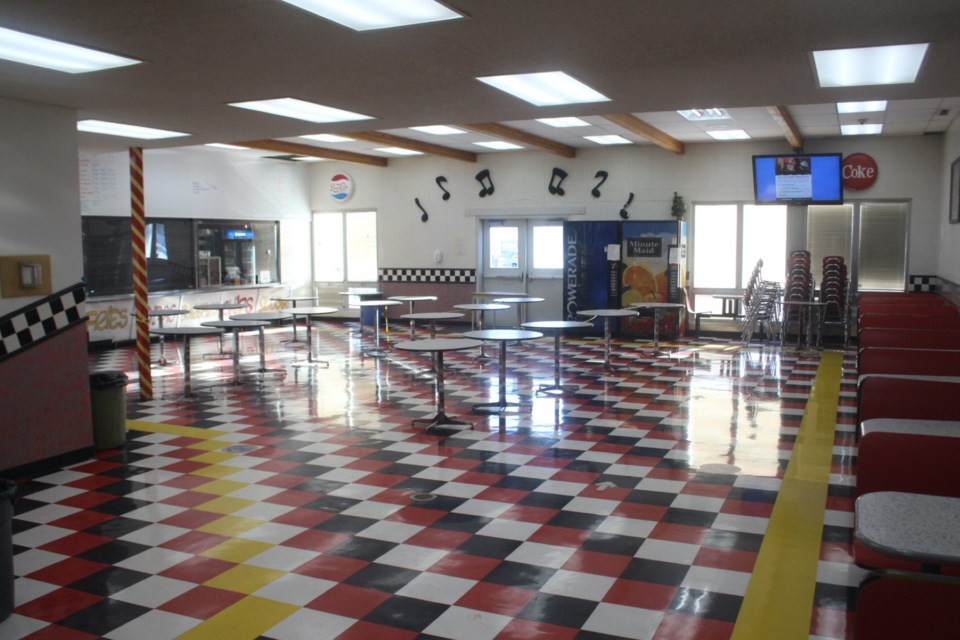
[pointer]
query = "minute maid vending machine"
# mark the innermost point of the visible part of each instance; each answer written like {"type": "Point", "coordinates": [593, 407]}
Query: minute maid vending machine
{"type": "Point", "coordinates": [652, 269]}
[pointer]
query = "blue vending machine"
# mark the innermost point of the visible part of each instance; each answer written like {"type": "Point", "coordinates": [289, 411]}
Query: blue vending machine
{"type": "Point", "coordinates": [591, 279]}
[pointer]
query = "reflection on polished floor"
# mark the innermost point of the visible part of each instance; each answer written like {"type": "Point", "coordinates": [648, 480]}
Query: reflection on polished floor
{"type": "Point", "coordinates": [667, 500]}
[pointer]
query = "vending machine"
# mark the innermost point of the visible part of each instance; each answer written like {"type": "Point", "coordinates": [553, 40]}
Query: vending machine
{"type": "Point", "coordinates": [652, 269]}
{"type": "Point", "coordinates": [591, 268]}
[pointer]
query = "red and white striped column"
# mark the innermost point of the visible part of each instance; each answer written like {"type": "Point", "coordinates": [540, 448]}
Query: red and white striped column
{"type": "Point", "coordinates": [141, 304]}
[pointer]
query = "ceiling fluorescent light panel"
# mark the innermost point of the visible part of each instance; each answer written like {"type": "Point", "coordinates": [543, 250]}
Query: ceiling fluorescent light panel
{"type": "Point", "coordinates": [366, 15]}
{"type": "Point", "coordinates": [59, 56]}
{"type": "Point", "coordinates": [897, 64]}
{"type": "Point", "coordinates": [300, 110]}
{"type": "Point", "coordinates": [545, 89]}
{"type": "Point", "coordinates": [126, 130]}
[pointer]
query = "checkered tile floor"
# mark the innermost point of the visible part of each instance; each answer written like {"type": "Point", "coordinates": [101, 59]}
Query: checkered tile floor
{"type": "Point", "coordinates": [302, 503]}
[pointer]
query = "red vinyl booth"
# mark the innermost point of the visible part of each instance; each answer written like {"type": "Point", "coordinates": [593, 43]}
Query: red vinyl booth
{"type": "Point", "coordinates": [907, 321]}
{"type": "Point", "coordinates": [908, 338]}
{"type": "Point", "coordinates": [918, 362]}
{"type": "Point", "coordinates": [894, 606]}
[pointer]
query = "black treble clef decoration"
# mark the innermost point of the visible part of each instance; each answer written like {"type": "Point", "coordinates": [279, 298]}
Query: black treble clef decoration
{"type": "Point", "coordinates": [603, 175]}
{"type": "Point", "coordinates": [440, 181]}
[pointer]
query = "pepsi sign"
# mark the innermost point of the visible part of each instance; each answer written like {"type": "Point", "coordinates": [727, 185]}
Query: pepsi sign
{"type": "Point", "coordinates": [341, 187]}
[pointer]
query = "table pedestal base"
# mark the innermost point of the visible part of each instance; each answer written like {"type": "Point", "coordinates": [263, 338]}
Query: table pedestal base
{"type": "Point", "coordinates": [440, 421]}
{"type": "Point", "coordinates": [501, 407]}
{"type": "Point", "coordinates": [558, 389]}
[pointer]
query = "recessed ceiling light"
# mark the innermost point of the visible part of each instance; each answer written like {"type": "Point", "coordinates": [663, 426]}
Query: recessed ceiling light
{"type": "Point", "coordinates": [126, 130]}
{"type": "Point", "coordinates": [861, 129]}
{"type": "Point", "coordinates": [697, 115]}
{"type": "Point", "coordinates": [862, 107]}
{"type": "Point", "coordinates": [561, 123]}
{"type": "Point", "coordinates": [221, 145]}
{"type": "Point", "coordinates": [544, 89]}
{"type": "Point", "coordinates": [897, 64]}
{"type": "Point", "coordinates": [728, 134]}
{"type": "Point", "coordinates": [327, 137]}
{"type": "Point", "coordinates": [500, 145]}
{"type": "Point", "coordinates": [300, 110]}
{"type": "Point", "coordinates": [609, 139]}
{"type": "Point", "coordinates": [399, 151]}
{"type": "Point", "coordinates": [365, 15]}
{"type": "Point", "coordinates": [439, 130]}
{"type": "Point", "coordinates": [59, 56]}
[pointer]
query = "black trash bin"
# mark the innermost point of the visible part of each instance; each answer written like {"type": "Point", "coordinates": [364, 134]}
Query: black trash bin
{"type": "Point", "coordinates": [108, 401]}
{"type": "Point", "coordinates": [8, 491]}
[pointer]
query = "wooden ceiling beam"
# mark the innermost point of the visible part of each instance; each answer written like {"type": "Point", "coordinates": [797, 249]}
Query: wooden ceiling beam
{"type": "Point", "coordinates": [297, 149]}
{"type": "Point", "coordinates": [414, 145]}
{"type": "Point", "coordinates": [785, 121]}
{"type": "Point", "coordinates": [498, 130]}
{"type": "Point", "coordinates": [637, 126]}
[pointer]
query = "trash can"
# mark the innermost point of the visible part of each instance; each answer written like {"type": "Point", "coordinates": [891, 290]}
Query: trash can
{"type": "Point", "coordinates": [8, 491]}
{"type": "Point", "coordinates": [108, 402]}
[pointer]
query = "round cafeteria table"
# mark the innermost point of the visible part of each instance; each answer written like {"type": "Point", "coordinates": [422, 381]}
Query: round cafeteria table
{"type": "Point", "coordinates": [377, 305]}
{"type": "Point", "coordinates": [557, 327]}
{"type": "Point", "coordinates": [236, 326]}
{"type": "Point", "coordinates": [264, 316]}
{"type": "Point", "coordinates": [503, 336]}
{"type": "Point", "coordinates": [294, 300]}
{"type": "Point", "coordinates": [657, 308]}
{"type": "Point", "coordinates": [521, 303]}
{"type": "Point", "coordinates": [412, 301]}
{"type": "Point", "coordinates": [606, 314]}
{"type": "Point", "coordinates": [187, 333]}
{"type": "Point", "coordinates": [220, 307]}
{"type": "Point", "coordinates": [309, 312]}
{"type": "Point", "coordinates": [160, 314]}
{"type": "Point", "coordinates": [438, 346]}
{"type": "Point", "coordinates": [479, 308]}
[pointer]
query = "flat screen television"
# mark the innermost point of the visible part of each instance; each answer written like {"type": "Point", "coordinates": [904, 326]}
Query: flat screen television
{"type": "Point", "coordinates": [806, 178]}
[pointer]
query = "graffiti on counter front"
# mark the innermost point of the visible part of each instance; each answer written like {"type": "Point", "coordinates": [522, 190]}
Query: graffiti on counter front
{"type": "Point", "coordinates": [108, 319]}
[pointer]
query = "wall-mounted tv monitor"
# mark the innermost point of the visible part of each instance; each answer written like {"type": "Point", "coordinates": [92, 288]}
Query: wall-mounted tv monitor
{"type": "Point", "coordinates": [807, 178]}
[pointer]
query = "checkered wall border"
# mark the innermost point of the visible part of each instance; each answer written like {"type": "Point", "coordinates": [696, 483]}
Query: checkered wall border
{"type": "Point", "coordinates": [428, 275]}
{"type": "Point", "coordinates": [920, 284]}
{"type": "Point", "coordinates": [35, 323]}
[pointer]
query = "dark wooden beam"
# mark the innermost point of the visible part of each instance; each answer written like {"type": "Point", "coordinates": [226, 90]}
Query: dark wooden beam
{"type": "Point", "coordinates": [783, 118]}
{"type": "Point", "coordinates": [498, 130]}
{"type": "Point", "coordinates": [297, 149]}
{"type": "Point", "coordinates": [414, 145]}
{"type": "Point", "coordinates": [637, 126]}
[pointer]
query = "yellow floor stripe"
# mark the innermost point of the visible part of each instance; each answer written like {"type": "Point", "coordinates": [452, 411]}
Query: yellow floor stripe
{"type": "Point", "coordinates": [779, 598]}
{"type": "Point", "coordinates": [175, 429]}
{"type": "Point", "coordinates": [246, 619]}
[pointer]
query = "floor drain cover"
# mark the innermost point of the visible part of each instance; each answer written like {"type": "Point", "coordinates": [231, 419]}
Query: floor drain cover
{"type": "Point", "coordinates": [423, 497]}
{"type": "Point", "coordinates": [240, 448]}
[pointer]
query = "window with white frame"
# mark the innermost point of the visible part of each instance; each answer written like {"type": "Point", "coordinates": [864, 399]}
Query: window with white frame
{"type": "Point", "coordinates": [345, 246]}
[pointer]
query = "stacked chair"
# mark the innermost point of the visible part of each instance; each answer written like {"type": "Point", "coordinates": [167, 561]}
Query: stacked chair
{"type": "Point", "coordinates": [909, 441]}
{"type": "Point", "coordinates": [835, 294]}
{"type": "Point", "coordinates": [799, 287]}
{"type": "Point", "coordinates": [759, 306]}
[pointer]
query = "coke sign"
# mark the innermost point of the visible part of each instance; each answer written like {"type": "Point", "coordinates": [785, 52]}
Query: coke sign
{"type": "Point", "coordinates": [859, 171]}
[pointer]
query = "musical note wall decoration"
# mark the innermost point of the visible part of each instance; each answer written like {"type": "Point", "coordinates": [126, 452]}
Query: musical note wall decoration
{"type": "Point", "coordinates": [486, 182]}
{"type": "Point", "coordinates": [623, 211]}
{"type": "Point", "coordinates": [425, 216]}
{"type": "Point", "coordinates": [440, 181]}
{"type": "Point", "coordinates": [559, 175]}
{"type": "Point", "coordinates": [603, 175]}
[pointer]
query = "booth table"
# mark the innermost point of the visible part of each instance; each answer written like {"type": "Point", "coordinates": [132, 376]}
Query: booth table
{"type": "Point", "coordinates": [657, 308]}
{"type": "Point", "coordinates": [503, 336]}
{"type": "Point", "coordinates": [187, 333]}
{"type": "Point", "coordinates": [910, 526]}
{"type": "Point", "coordinates": [557, 327]}
{"type": "Point", "coordinates": [309, 312]}
{"type": "Point", "coordinates": [606, 314]}
{"type": "Point", "coordinates": [219, 307]}
{"type": "Point", "coordinates": [438, 346]}
{"type": "Point", "coordinates": [237, 325]}
{"type": "Point", "coordinates": [377, 305]}
{"type": "Point", "coordinates": [294, 300]}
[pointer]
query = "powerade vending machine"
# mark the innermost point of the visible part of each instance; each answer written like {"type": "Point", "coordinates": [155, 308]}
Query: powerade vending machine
{"type": "Point", "coordinates": [591, 268]}
{"type": "Point", "coordinates": [652, 269]}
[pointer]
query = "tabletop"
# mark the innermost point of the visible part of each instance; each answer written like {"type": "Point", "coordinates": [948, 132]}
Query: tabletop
{"type": "Point", "coordinates": [911, 526]}
{"type": "Point", "coordinates": [311, 311]}
{"type": "Point", "coordinates": [502, 334]}
{"type": "Point", "coordinates": [612, 313]}
{"type": "Point", "coordinates": [377, 303]}
{"type": "Point", "coordinates": [216, 306]}
{"type": "Point", "coordinates": [186, 331]}
{"type": "Point", "coordinates": [432, 315]}
{"type": "Point", "coordinates": [165, 312]}
{"type": "Point", "coordinates": [656, 305]}
{"type": "Point", "coordinates": [481, 306]}
{"type": "Point", "coordinates": [558, 325]}
{"type": "Point", "coordinates": [294, 298]}
{"type": "Point", "coordinates": [412, 298]}
{"type": "Point", "coordinates": [269, 316]}
{"type": "Point", "coordinates": [437, 344]}
{"type": "Point", "coordinates": [911, 426]}
{"type": "Point", "coordinates": [236, 324]}
{"type": "Point", "coordinates": [518, 299]}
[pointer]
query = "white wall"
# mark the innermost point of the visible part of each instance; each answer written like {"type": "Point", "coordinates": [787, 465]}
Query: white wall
{"type": "Point", "coordinates": [909, 167]}
{"type": "Point", "coordinates": [948, 266]}
{"type": "Point", "coordinates": [39, 203]}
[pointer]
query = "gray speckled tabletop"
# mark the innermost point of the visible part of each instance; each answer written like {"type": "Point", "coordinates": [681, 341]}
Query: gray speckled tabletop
{"type": "Point", "coordinates": [911, 526]}
{"type": "Point", "coordinates": [913, 427]}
